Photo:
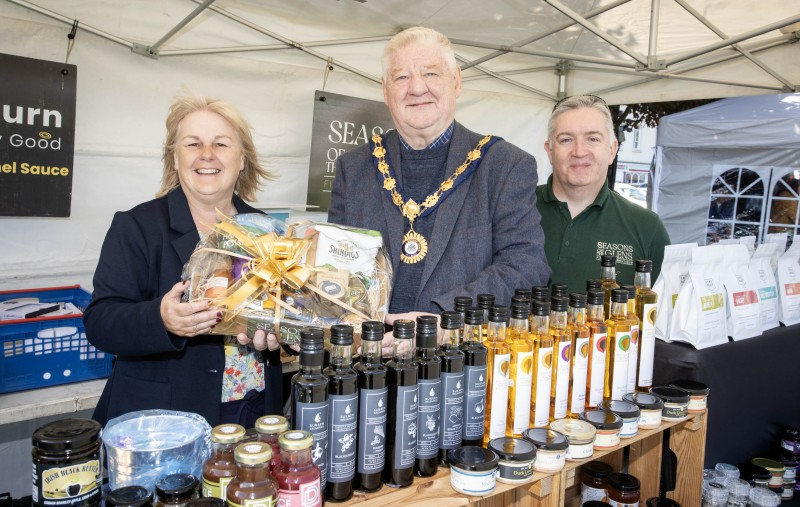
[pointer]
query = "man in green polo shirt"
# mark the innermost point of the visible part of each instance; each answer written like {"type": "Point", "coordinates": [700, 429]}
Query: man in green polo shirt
{"type": "Point", "coordinates": [582, 219]}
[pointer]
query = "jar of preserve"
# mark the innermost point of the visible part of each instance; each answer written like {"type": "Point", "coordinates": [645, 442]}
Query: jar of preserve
{"type": "Point", "coordinates": [176, 490]}
{"type": "Point", "coordinates": [676, 402]}
{"type": "Point", "coordinates": [252, 484]}
{"type": "Point", "coordinates": [268, 428]}
{"type": "Point", "coordinates": [628, 412]}
{"type": "Point", "coordinates": [207, 502]}
{"type": "Point", "coordinates": [699, 394]}
{"type": "Point", "coordinates": [650, 408]}
{"type": "Point", "coordinates": [220, 468]}
{"type": "Point", "coordinates": [608, 426]}
{"type": "Point", "coordinates": [594, 481]}
{"type": "Point", "coordinates": [297, 476]}
{"type": "Point", "coordinates": [623, 490]}
{"type": "Point", "coordinates": [551, 449]}
{"type": "Point", "coordinates": [129, 496]}
{"type": "Point", "coordinates": [516, 455]}
{"type": "Point", "coordinates": [580, 435]}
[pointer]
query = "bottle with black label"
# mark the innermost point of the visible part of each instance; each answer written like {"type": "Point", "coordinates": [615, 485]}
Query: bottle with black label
{"type": "Point", "coordinates": [430, 394]}
{"type": "Point", "coordinates": [373, 405]}
{"type": "Point", "coordinates": [310, 396]}
{"type": "Point", "coordinates": [475, 354]}
{"type": "Point", "coordinates": [343, 409]}
{"type": "Point", "coordinates": [401, 430]}
{"type": "Point", "coordinates": [453, 385]}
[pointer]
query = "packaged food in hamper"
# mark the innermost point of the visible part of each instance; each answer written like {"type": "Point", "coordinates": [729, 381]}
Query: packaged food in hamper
{"type": "Point", "coordinates": [674, 272]}
{"type": "Point", "coordinates": [743, 310]}
{"type": "Point", "coordinates": [264, 274]}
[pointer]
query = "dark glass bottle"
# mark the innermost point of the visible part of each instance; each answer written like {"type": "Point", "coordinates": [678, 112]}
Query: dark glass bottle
{"type": "Point", "coordinates": [343, 408]}
{"type": "Point", "coordinates": [310, 396]}
{"type": "Point", "coordinates": [373, 407]}
{"type": "Point", "coordinates": [297, 476]}
{"type": "Point", "coordinates": [453, 388]}
{"type": "Point", "coordinates": [401, 431]}
{"type": "Point", "coordinates": [430, 395]}
{"type": "Point", "coordinates": [475, 357]}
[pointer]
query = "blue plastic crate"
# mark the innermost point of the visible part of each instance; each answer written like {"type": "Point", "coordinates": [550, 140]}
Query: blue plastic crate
{"type": "Point", "coordinates": [49, 351]}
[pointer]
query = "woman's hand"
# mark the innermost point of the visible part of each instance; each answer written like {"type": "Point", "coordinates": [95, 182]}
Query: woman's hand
{"type": "Point", "coordinates": [187, 319]}
{"type": "Point", "coordinates": [261, 340]}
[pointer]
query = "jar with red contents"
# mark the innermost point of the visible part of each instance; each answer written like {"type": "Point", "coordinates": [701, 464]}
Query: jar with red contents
{"type": "Point", "coordinates": [268, 428]}
{"type": "Point", "coordinates": [220, 468]}
{"type": "Point", "coordinates": [623, 490]}
{"type": "Point", "coordinates": [297, 476]}
{"type": "Point", "coordinates": [253, 484]}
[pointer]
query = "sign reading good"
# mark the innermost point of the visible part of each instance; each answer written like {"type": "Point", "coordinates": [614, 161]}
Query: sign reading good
{"type": "Point", "coordinates": [340, 123]}
{"type": "Point", "coordinates": [37, 137]}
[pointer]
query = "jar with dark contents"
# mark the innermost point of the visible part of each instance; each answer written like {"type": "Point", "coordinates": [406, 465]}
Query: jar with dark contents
{"type": "Point", "coordinates": [129, 496]}
{"type": "Point", "coordinates": [594, 481]}
{"type": "Point", "coordinates": [220, 468]}
{"type": "Point", "coordinates": [176, 490]}
{"type": "Point", "coordinates": [253, 484]}
{"type": "Point", "coordinates": [207, 502]}
{"type": "Point", "coordinates": [67, 467]}
{"type": "Point", "coordinates": [297, 476]}
{"type": "Point", "coordinates": [623, 490]}
{"type": "Point", "coordinates": [268, 428]}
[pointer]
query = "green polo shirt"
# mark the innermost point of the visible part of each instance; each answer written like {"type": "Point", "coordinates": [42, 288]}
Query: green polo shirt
{"type": "Point", "coordinates": [611, 225]}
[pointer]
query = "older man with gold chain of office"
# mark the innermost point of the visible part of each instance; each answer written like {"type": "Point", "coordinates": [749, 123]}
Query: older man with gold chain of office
{"type": "Point", "coordinates": [456, 209]}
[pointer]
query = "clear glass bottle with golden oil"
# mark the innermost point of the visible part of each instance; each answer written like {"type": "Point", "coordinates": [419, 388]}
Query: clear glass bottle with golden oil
{"type": "Point", "coordinates": [633, 352]}
{"type": "Point", "coordinates": [646, 301]}
{"type": "Point", "coordinates": [521, 346]}
{"type": "Point", "coordinates": [542, 363]}
{"type": "Point", "coordinates": [619, 342]}
{"type": "Point", "coordinates": [579, 332]}
{"type": "Point", "coordinates": [485, 301]}
{"type": "Point", "coordinates": [608, 279]}
{"type": "Point", "coordinates": [499, 359]}
{"type": "Point", "coordinates": [598, 339]}
{"type": "Point", "coordinates": [562, 357]}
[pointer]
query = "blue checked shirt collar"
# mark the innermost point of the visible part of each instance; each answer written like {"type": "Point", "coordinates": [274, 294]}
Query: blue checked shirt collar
{"type": "Point", "coordinates": [439, 141]}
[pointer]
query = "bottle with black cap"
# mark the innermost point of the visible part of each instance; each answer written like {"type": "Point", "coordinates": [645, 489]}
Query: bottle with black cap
{"type": "Point", "coordinates": [373, 406]}
{"type": "Point", "coordinates": [558, 290]}
{"type": "Point", "coordinates": [401, 434]}
{"type": "Point", "coordinates": [619, 341]}
{"type": "Point", "coordinates": [475, 357]}
{"type": "Point", "coordinates": [594, 284]}
{"type": "Point", "coordinates": [343, 408]}
{"type": "Point", "coordinates": [633, 351]}
{"type": "Point", "coordinates": [598, 335]}
{"type": "Point", "coordinates": [562, 357]}
{"type": "Point", "coordinates": [540, 293]}
{"type": "Point", "coordinates": [499, 363]}
{"type": "Point", "coordinates": [310, 396]}
{"type": "Point", "coordinates": [429, 368]}
{"type": "Point", "coordinates": [452, 403]}
{"type": "Point", "coordinates": [579, 334]}
{"type": "Point", "coordinates": [461, 303]}
{"type": "Point", "coordinates": [646, 300]}
{"type": "Point", "coordinates": [521, 347]}
{"type": "Point", "coordinates": [485, 301]}
{"type": "Point", "coordinates": [524, 292]}
{"type": "Point", "coordinates": [608, 279]}
{"type": "Point", "coordinates": [543, 364]}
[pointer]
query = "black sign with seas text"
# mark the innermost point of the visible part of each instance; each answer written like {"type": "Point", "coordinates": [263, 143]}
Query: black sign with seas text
{"type": "Point", "coordinates": [37, 136]}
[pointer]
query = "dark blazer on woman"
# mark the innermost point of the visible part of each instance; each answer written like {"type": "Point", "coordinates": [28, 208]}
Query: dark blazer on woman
{"type": "Point", "coordinates": [142, 257]}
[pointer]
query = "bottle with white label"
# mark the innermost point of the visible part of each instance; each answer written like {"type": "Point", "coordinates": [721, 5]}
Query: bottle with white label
{"type": "Point", "coordinates": [633, 351]}
{"type": "Point", "coordinates": [429, 367]}
{"type": "Point", "coordinates": [521, 346]}
{"type": "Point", "coordinates": [598, 338]}
{"type": "Point", "coordinates": [453, 385]}
{"type": "Point", "coordinates": [562, 357]}
{"type": "Point", "coordinates": [646, 300]}
{"type": "Point", "coordinates": [498, 373]}
{"type": "Point", "coordinates": [373, 407]}
{"type": "Point", "coordinates": [475, 358]}
{"type": "Point", "coordinates": [343, 409]}
{"type": "Point", "coordinates": [619, 343]}
{"type": "Point", "coordinates": [310, 397]}
{"type": "Point", "coordinates": [542, 363]}
{"type": "Point", "coordinates": [579, 333]}
{"type": "Point", "coordinates": [401, 434]}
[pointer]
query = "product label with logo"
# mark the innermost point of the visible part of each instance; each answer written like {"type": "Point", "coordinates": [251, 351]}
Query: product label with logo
{"type": "Point", "coordinates": [499, 409]}
{"type": "Point", "coordinates": [544, 378]}
{"type": "Point", "coordinates": [452, 410]}
{"type": "Point", "coordinates": [562, 380]}
{"type": "Point", "coordinates": [430, 392]}
{"type": "Point", "coordinates": [580, 365]}
{"type": "Point", "coordinates": [589, 493]}
{"type": "Point", "coordinates": [614, 503]}
{"type": "Point", "coordinates": [373, 404]}
{"type": "Point", "coordinates": [633, 359]}
{"type": "Point", "coordinates": [598, 368]}
{"type": "Point", "coordinates": [619, 385]}
{"type": "Point", "coordinates": [647, 345]}
{"type": "Point", "coordinates": [308, 495]}
{"type": "Point", "coordinates": [405, 444]}
{"type": "Point", "coordinates": [474, 401]}
{"type": "Point", "coordinates": [522, 392]}
{"type": "Point", "coordinates": [270, 501]}
{"type": "Point", "coordinates": [313, 417]}
{"type": "Point", "coordinates": [216, 489]}
{"type": "Point", "coordinates": [343, 429]}
{"type": "Point", "coordinates": [75, 485]}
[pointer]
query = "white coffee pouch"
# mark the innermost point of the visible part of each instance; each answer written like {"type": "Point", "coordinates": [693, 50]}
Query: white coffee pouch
{"type": "Point", "coordinates": [788, 276]}
{"type": "Point", "coordinates": [743, 311]}
{"type": "Point", "coordinates": [699, 314]}
{"type": "Point", "coordinates": [764, 278]}
{"type": "Point", "coordinates": [674, 272]}
{"type": "Point", "coordinates": [781, 239]}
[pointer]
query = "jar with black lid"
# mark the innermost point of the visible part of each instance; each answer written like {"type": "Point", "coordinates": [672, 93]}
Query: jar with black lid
{"type": "Point", "coordinates": [67, 467]}
{"type": "Point", "coordinates": [662, 502]}
{"type": "Point", "coordinates": [596, 503]}
{"type": "Point", "coordinates": [207, 502]}
{"type": "Point", "coordinates": [623, 490]}
{"type": "Point", "coordinates": [176, 490]}
{"type": "Point", "coordinates": [129, 496]}
{"type": "Point", "coordinates": [516, 456]}
{"type": "Point", "coordinates": [594, 481]}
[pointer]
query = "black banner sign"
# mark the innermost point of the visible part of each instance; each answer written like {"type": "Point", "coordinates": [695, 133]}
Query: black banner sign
{"type": "Point", "coordinates": [340, 123]}
{"type": "Point", "coordinates": [37, 136]}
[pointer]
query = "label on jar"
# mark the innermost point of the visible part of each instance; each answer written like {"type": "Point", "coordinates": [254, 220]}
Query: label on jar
{"type": "Point", "coordinates": [313, 417]}
{"type": "Point", "coordinates": [74, 485]}
{"type": "Point", "coordinates": [580, 366]}
{"type": "Point", "coordinates": [514, 471]}
{"type": "Point", "coordinates": [544, 378]}
{"type": "Point", "coordinates": [697, 404]}
{"type": "Point", "coordinates": [791, 446]}
{"type": "Point", "coordinates": [589, 493]}
{"type": "Point", "coordinates": [649, 418]}
{"type": "Point", "coordinates": [598, 368]}
{"type": "Point", "coordinates": [675, 411]}
{"type": "Point", "coordinates": [606, 439]}
{"type": "Point", "coordinates": [343, 428]}
{"type": "Point", "coordinates": [307, 495]}
{"type": "Point", "coordinates": [270, 501]}
{"type": "Point", "coordinates": [372, 430]}
{"type": "Point", "coordinates": [474, 402]}
{"type": "Point", "coordinates": [472, 483]}
{"type": "Point", "coordinates": [614, 503]}
{"type": "Point", "coordinates": [630, 427]}
{"type": "Point", "coordinates": [452, 412]}
{"type": "Point", "coordinates": [580, 451]}
{"type": "Point", "coordinates": [647, 345]}
{"type": "Point", "coordinates": [405, 443]}
{"type": "Point", "coordinates": [216, 489]}
{"type": "Point", "coordinates": [499, 394]}
{"type": "Point", "coordinates": [561, 398]}
{"type": "Point", "coordinates": [549, 461]}
{"type": "Point", "coordinates": [430, 392]}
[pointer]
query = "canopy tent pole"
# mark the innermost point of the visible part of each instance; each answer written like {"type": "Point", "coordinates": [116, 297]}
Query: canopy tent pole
{"type": "Point", "coordinates": [167, 36]}
{"type": "Point", "coordinates": [546, 54]}
{"type": "Point", "coordinates": [269, 47]}
{"type": "Point", "coordinates": [510, 81]}
{"type": "Point", "coordinates": [652, 47]}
